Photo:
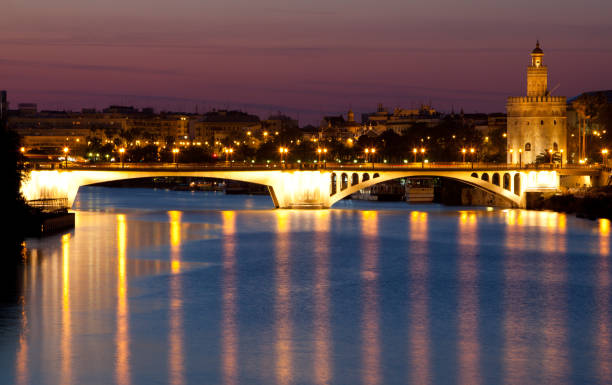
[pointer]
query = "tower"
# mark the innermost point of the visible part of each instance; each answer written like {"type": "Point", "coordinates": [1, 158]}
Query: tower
{"type": "Point", "coordinates": [537, 73]}
{"type": "Point", "coordinates": [537, 123]}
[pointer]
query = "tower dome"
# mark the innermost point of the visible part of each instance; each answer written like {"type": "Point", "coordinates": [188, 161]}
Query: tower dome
{"type": "Point", "coordinates": [537, 48]}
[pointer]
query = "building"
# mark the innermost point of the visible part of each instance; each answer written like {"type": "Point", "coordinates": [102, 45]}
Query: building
{"type": "Point", "coordinates": [217, 126]}
{"type": "Point", "coordinates": [3, 109]}
{"type": "Point", "coordinates": [337, 128]}
{"type": "Point", "coordinates": [401, 120]}
{"type": "Point", "coordinates": [537, 123]}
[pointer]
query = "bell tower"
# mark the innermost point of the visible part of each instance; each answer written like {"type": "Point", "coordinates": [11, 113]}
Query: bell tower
{"type": "Point", "coordinates": [537, 74]}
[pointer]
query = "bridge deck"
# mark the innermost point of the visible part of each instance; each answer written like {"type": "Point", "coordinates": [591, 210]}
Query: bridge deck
{"type": "Point", "coordinates": [371, 167]}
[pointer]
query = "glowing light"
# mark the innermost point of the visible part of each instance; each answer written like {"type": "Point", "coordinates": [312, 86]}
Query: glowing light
{"type": "Point", "coordinates": [66, 342]}
{"type": "Point", "coordinates": [176, 357]}
{"type": "Point", "coordinates": [122, 357]}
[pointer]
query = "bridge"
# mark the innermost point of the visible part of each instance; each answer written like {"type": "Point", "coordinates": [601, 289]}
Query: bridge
{"type": "Point", "coordinates": [301, 186]}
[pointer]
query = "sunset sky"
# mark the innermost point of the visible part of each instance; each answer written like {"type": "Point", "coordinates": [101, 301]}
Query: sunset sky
{"type": "Point", "coordinates": [305, 59]}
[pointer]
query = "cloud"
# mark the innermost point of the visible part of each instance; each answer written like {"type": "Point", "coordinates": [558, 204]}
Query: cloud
{"type": "Point", "coordinates": [85, 67]}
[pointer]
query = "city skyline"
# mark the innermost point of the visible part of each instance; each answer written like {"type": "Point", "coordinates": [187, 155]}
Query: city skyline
{"type": "Point", "coordinates": [306, 61]}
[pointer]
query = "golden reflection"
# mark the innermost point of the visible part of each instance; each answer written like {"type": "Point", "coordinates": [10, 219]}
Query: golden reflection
{"type": "Point", "coordinates": [554, 281]}
{"type": "Point", "coordinates": [602, 301]}
{"type": "Point", "coordinates": [369, 267]}
{"type": "Point", "coordinates": [604, 236]}
{"type": "Point", "coordinates": [468, 345]}
{"type": "Point", "coordinates": [122, 357]}
{"type": "Point", "coordinates": [22, 353]}
{"type": "Point", "coordinates": [176, 354]}
{"type": "Point", "coordinates": [418, 295]}
{"type": "Point", "coordinates": [66, 344]}
{"type": "Point", "coordinates": [175, 241]}
{"type": "Point", "coordinates": [322, 369]}
{"type": "Point", "coordinates": [283, 301]}
{"type": "Point", "coordinates": [516, 344]}
{"type": "Point", "coordinates": [229, 344]}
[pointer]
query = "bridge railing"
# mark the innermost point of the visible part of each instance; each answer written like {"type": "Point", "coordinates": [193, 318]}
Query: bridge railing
{"type": "Point", "coordinates": [309, 166]}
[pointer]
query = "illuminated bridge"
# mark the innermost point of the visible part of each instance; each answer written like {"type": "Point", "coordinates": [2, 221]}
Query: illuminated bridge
{"type": "Point", "coordinates": [298, 186]}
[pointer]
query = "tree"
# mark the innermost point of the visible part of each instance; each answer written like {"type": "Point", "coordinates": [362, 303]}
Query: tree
{"type": "Point", "coordinates": [588, 107]}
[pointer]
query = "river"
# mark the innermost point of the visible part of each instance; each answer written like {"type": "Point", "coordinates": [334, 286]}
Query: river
{"type": "Point", "coordinates": [168, 287]}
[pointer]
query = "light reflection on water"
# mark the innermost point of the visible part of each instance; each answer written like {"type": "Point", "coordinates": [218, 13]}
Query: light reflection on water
{"type": "Point", "coordinates": [419, 309]}
{"type": "Point", "coordinates": [170, 295]}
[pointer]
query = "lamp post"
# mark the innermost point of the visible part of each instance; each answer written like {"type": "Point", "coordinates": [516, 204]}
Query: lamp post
{"type": "Point", "coordinates": [604, 153]}
{"type": "Point", "coordinates": [463, 151]}
{"type": "Point", "coordinates": [520, 158]}
{"type": "Point", "coordinates": [174, 154]}
{"type": "Point", "coordinates": [66, 150]}
{"type": "Point", "coordinates": [321, 151]}
{"type": "Point", "coordinates": [550, 152]}
{"type": "Point", "coordinates": [415, 152]}
{"type": "Point", "coordinates": [228, 153]}
{"type": "Point", "coordinates": [472, 152]}
{"type": "Point", "coordinates": [283, 151]}
{"type": "Point", "coordinates": [372, 151]}
{"type": "Point", "coordinates": [511, 151]}
{"type": "Point", "coordinates": [121, 152]}
{"type": "Point", "coordinates": [422, 157]}
{"type": "Point", "coordinates": [367, 151]}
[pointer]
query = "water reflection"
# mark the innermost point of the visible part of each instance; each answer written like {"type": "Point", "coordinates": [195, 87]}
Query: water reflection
{"type": "Point", "coordinates": [370, 341]}
{"type": "Point", "coordinates": [418, 296]}
{"type": "Point", "coordinates": [283, 299]}
{"type": "Point", "coordinates": [95, 303]}
{"type": "Point", "coordinates": [554, 281]}
{"type": "Point", "coordinates": [66, 344]}
{"type": "Point", "coordinates": [468, 349]}
{"type": "Point", "coordinates": [229, 338]}
{"type": "Point", "coordinates": [122, 357]}
{"type": "Point", "coordinates": [21, 368]}
{"type": "Point", "coordinates": [322, 337]}
{"type": "Point", "coordinates": [176, 355]}
{"type": "Point", "coordinates": [603, 328]}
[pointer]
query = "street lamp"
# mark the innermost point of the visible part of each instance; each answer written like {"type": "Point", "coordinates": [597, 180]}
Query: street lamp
{"type": "Point", "coordinates": [511, 151]}
{"type": "Point", "coordinates": [550, 151]}
{"type": "Point", "coordinates": [66, 149]}
{"type": "Point", "coordinates": [174, 154]}
{"type": "Point", "coordinates": [463, 151]}
{"type": "Point", "coordinates": [604, 152]}
{"type": "Point", "coordinates": [228, 153]}
{"type": "Point", "coordinates": [422, 157]}
{"type": "Point", "coordinates": [319, 152]}
{"type": "Point", "coordinates": [472, 152]}
{"type": "Point", "coordinates": [283, 151]}
{"type": "Point", "coordinates": [367, 151]}
{"type": "Point", "coordinates": [373, 151]}
{"type": "Point", "coordinates": [415, 152]}
{"type": "Point", "coordinates": [121, 152]}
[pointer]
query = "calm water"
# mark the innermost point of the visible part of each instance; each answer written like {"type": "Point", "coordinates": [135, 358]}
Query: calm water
{"type": "Point", "coordinates": [156, 287]}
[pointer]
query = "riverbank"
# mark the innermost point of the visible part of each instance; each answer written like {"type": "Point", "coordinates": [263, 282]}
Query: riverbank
{"type": "Point", "coordinates": [593, 203]}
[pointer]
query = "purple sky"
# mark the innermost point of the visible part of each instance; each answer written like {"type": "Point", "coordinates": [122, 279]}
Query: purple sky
{"type": "Point", "coordinates": [305, 59]}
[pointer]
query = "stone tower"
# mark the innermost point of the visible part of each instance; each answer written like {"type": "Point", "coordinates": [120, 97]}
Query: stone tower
{"type": "Point", "coordinates": [537, 122]}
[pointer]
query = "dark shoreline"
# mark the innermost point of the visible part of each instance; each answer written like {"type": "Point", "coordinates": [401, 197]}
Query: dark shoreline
{"type": "Point", "coordinates": [592, 204]}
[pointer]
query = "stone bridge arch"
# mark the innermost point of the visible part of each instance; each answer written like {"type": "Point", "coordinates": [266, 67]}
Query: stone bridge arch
{"type": "Point", "coordinates": [469, 178]}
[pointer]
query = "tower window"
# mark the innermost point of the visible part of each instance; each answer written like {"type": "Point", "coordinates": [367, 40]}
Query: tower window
{"type": "Point", "coordinates": [555, 147]}
{"type": "Point", "coordinates": [541, 122]}
{"type": "Point", "coordinates": [555, 122]}
{"type": "Point", "coordinates": [527, 146]}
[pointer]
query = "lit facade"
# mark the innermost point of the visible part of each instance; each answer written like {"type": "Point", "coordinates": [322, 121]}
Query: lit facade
{"type": "Point", "coordinates": [537, 123]}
